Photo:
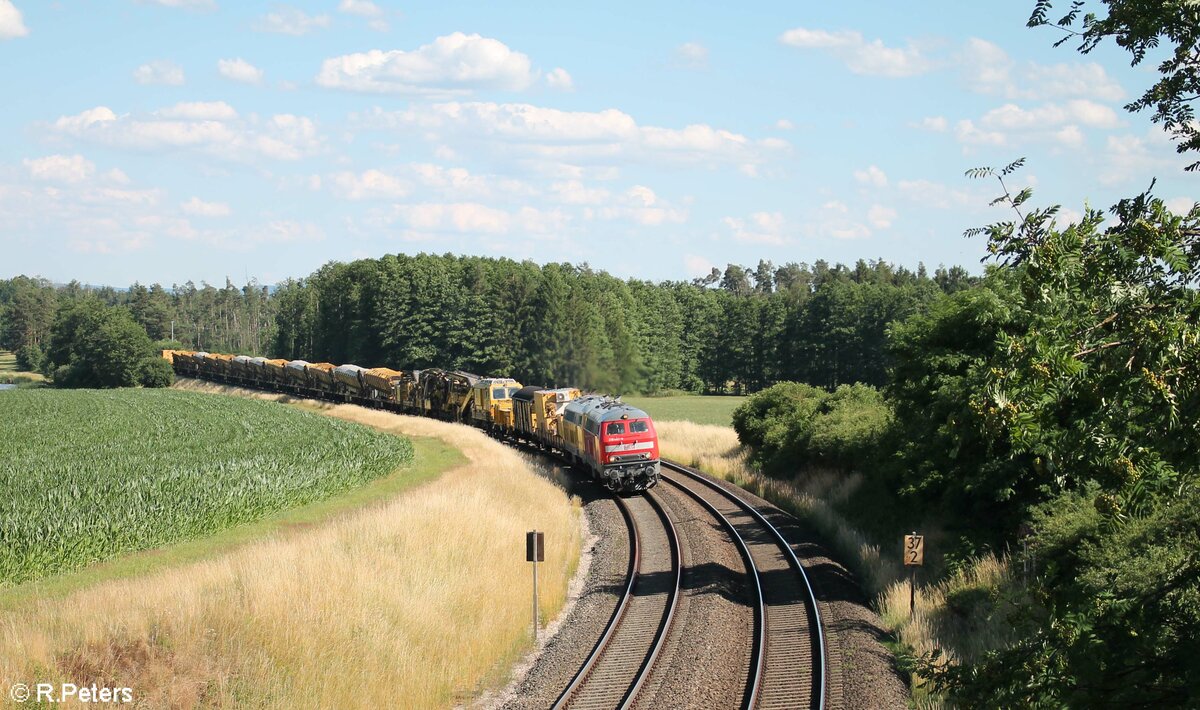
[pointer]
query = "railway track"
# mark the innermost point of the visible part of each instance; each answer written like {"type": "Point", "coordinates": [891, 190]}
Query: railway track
{"type": "Point", "coordinates": [787, 665]}
{"type": "Point", "coordinates": [621, 661]}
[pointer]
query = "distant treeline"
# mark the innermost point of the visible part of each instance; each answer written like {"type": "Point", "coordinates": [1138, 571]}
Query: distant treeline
{"type": "Point", "coordinates": [222, 320]}
{"type": "Point", "coordinates": [738, 330]}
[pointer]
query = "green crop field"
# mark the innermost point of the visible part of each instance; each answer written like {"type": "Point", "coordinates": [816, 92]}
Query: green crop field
{"type": "Point", "coordinates": [690, 408]}
{"type": "Point", "coordinates": [90, 474]}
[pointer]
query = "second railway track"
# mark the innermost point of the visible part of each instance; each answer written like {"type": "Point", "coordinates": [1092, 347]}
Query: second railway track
{"type": "Point", "coordinates": [787, 660]}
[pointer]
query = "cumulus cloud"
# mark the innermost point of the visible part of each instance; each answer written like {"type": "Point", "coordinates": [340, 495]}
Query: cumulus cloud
{"type": "Point", "coordinates": [187, 4]}
{"type": "Point", "coordinates": [1013, 117]}
{"type": "Point", "coordinates": [574, 192]}
{"type": "Point", "coordinates": [872, 58]}
{"type": "Point", "coordinates": [199, 111]}
{"type": "Point", "coordinates": [556, 137]}
{"type": "Point", "coordinates": [560, 79]}
{"type": "Point", "coordinates": [374, 14]}
{"type": "Point", "coordinates": [642, 206]}
{"type": "Point", "coordinates": [472, 218]}
{"type": "Point", "coordinates": [691, 55]}
{"type": "Point", "coordinates": [759, 228]}
{"type": "Point", "coordinates": [291, 21]}
{"type": "Point", "coordinates": [448, 182]}
{"type": "Point", "coordinates": [239, 70]}
{"type": "Point", "coordinates": [60, 168]}
{"type": "Point", "coordinates": [11, 23]}
{"type": "Point", "coordinates": [211, 128]}
{"type": "Point", "coordinates": [988, 69]}
{"type": "Point", "coordinates": [784, 125]}
{"type": "Point", "coordinates": [362, 8]}
{"type": "Point", "coordinates": [881, 217]}
{"type": "Point", "coordinates": [455, 63]}
{"type": "Point", "coordinates": [872, 176]}
{"type": "Point", "coordinates": [199, 208]}
{"type": "Point", "coordinates": [937, 124]}
{"type": "Point", "coordinates": [159, 71]}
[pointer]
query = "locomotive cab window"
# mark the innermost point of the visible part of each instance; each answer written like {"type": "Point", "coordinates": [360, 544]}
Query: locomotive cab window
{"type": "Point", "coordinates": [615, 428]}
{"type": "Point", "coordinates": [638, 427]}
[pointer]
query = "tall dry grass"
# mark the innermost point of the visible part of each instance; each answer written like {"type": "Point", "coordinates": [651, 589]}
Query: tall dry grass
{"type": "Point", "coordinates": [716, 449]}
{"type": "Point", "coordinates": [416, 602]}
{"type": "Point", "coordinates": [957, 615]}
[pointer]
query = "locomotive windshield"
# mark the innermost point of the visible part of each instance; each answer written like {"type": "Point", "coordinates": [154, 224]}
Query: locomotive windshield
{"type": "Point", "coordinates": [615, 428]}
{"type": "Point", "coordinates": [638, 427]}
{"type": "Point", "coordinates": [503, 392]}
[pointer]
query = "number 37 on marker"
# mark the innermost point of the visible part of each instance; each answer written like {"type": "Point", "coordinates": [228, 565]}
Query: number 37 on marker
{"type": "Point", "coordinates": [914, 550]}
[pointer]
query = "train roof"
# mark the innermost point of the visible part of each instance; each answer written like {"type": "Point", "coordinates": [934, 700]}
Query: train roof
{"type": "Point", "coordinates": [525, 394]}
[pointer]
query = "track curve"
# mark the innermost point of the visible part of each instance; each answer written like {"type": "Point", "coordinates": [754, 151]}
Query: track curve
{"type": "Point", "coordinates": [622, 659]}
{"type": "Point", "coordinates": [789, 667]}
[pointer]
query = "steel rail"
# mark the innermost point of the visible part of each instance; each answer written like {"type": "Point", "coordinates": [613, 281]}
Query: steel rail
{"type": "Point", "coordinates": [618, 623]}
{"type": "Point", "coordinates": [819, 673]}
{"type": "Point", "coordinates": [759, 647]}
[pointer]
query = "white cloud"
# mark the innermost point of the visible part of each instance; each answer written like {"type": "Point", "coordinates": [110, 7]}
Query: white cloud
{"type": "Point", "coordinates": [368, 185]}
{"type": "Point", "coordinates": [1013, 117]}
{"type": "Point", "coordinates": [187, 4]}
{"type": "Point", "coordinates": [448, 182]}
{"type": "Point", "coordinates": [936, 195]}
{"type": "Point", "coordinates": [784, 125]}
{"type": "Point", "coordinates": [453, 64]}
{"type": "Point", "coordinates": [1070, 136]}
{"type": "Point", "coordinates": [362, 8]}
{"type": "Point", "coordinates": [291, 21]}
{"type": "Point", "coordinates": [573, 192]}
{"type": "Point", "coordinates": [759, 228]}
{"type": "Point", "coordinates": [1180, 205]}
{"type": "Point", "coordinates": [474, 218]}
{"type": "Point", "coordinates": [554, 136]}
{"type": "Point", "coordinates": [872, 58]}
{"type": "Point", "coordinates": [968, 133]}
{"type": "Point", "coordinates": [199, 111]}
{"type": "Point", "coordinates": [881, 217]}
{"type": "Point", "coordinates": [60, 168]}
{"type": "Point", "coordinates": [641, 205]}
{"type": "Point", "coordinates": [937, 124]}
{"type": "Point", "coordinates": [205, 127]}
{"type": "Point", "coordinates": [285, 231]}
{"type": "Point", "coordinates": [988, 69]}
{"type": "Point", "coordinates": [159, 71]}
{"type": "Point", "coordinates": [560, 79]}
{"type": "Point", "coordinates": [691, 55]}
{"type": "Point", "coordinates": [374, 14]}
{"type": "Point", "coordinates": [239, 70]}
{"type": "Point", "coordinates": [872, 176]}
{"type": "Point", "coordinates": [697, 265]}
{"type": "Point", "coordinates": [199, 208]}
{"type": "Point", "coordinates": [11, 23]}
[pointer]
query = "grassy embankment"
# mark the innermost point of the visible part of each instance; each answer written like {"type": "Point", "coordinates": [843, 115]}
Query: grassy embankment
{"type": "Point", "coordinates": [701, 409]}
{"type": "Point", "coordinates": [955, 614]}
{"type": "Point", "coordinates": [9, 374]}
{"type": "Point", "coordinates": [345, 605]}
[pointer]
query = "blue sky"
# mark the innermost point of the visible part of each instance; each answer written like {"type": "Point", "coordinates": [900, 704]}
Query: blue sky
{"type": "Point", "coordinates": [168, 140]}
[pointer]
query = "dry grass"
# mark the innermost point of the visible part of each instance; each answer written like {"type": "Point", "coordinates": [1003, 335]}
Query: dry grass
{"type": "Point", "coordinates": [416, 602]}
{"type": "Point", "coordinates": [958, 615]}
{"type": "Point", "coordinates": [716, 449]}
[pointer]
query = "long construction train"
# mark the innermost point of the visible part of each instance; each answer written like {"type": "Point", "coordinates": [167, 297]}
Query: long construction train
{"type": "Point", "coordinates": [615, 442]}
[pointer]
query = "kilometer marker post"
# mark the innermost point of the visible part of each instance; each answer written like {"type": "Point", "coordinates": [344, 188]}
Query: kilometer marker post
{"type": "Point", "coordinates": [914, 557]}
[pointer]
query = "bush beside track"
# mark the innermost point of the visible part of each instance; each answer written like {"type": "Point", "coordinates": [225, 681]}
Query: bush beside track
{"type": "Point", "coordinates": [93, 474]}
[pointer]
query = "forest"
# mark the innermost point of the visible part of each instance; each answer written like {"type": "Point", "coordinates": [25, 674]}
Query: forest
{"type": "Point", "coordinates": [734, 331]}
